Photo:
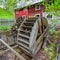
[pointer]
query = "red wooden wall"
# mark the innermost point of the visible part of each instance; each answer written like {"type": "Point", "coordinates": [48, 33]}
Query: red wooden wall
{"type": "Point", "coordinates": [29, 12]}
{"type": "Point", "coordinates": [32, 10]}
{"type": "Point", "coordinates": [21, 13]}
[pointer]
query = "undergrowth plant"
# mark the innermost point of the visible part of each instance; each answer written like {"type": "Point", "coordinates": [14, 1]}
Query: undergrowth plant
{"type": "Point", "coordinates": [52, 50]}
{"type": "Point", "coordinates": [4, 28]}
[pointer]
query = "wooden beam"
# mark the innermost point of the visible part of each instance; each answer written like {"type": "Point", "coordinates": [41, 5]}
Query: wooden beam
{"type": "Point", "coordinates": [17, 54]}
{"type": "Point", "coordinates": [5, 51]}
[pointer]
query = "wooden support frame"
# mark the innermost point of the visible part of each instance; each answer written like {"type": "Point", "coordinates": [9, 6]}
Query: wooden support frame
{"type": "Point", "coordinates": [40, 40]}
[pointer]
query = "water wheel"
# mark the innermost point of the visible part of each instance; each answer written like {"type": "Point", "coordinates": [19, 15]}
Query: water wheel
{"type": "Point", "coordinates": [28, 35]}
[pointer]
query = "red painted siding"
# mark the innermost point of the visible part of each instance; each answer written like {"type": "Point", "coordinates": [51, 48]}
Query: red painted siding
{"type": "Point", "coordinates": [29, 12]}
{"type": "Point", "coordinates": [32, 11]}
{"type": "Point", "coordinates": [21, 13]}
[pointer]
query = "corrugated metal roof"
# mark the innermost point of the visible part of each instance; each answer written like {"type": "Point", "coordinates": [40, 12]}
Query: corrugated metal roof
{"type": "Point", "coordinates": [24, 4]}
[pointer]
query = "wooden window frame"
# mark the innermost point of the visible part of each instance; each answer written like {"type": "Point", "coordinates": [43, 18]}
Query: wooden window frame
{"type": "Point", "coordinates": [36, 7]}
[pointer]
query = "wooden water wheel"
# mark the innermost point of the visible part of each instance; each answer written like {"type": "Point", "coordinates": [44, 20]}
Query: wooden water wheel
{"type": "Point", "coordinates": [29, 37]}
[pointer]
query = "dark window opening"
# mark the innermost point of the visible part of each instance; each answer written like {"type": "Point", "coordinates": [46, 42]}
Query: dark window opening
{"type": "Point", "coordinates": [24, 17]}
{"type": "Point", "coordinates": [37, 16]}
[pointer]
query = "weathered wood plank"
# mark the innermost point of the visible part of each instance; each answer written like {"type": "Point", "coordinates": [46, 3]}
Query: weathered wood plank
{"type": "Point", "coordinates": [5, 51]}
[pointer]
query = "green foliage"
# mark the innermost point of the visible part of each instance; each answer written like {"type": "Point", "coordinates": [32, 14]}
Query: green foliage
{"type": "Point", "coordinates": [10, 4]}
{"type": "Point", "coordinates": [52, 31]}
{"type": "Point", "coordinates": [50, 51]}
{"type": "Point", "coordinates": [8, 11]}
{"type": "Point", "coordinates": [4, 28]}
{"type": "Point", "coordinates": [54, 7]}
{"type": "Point", "coordinates": [0, 2]}
{"type": "Point", "coordinates": [6, 14]}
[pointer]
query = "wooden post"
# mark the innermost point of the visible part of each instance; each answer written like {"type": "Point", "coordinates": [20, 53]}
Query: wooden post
{"type": "Point", "coordinates": [40, 25]}
{"type": "Point", "coordinates": [17, 54]}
